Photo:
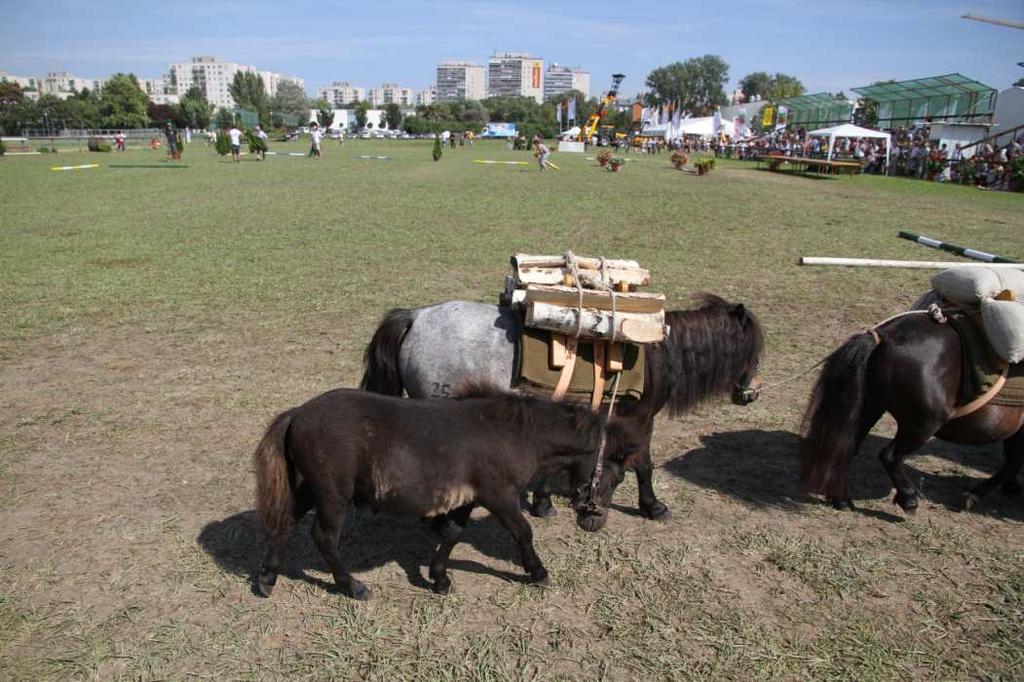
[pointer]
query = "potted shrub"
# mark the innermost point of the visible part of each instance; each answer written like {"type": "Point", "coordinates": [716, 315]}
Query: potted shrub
{"type": "Point", "coordinates": [604, 157]}
{"type": "Point", "coordinates": [437, 147]}
{"type": "Point", "coordinates": [679, 159]}
{"type": "Point", "coordinates": [704, 165]}
{"type": "Point", "coordinates": [615, 162]}
{"type": "Point", "coordinates": [1016, 171]}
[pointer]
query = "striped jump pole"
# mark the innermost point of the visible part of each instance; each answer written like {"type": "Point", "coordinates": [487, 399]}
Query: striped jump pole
{"type": "Point", "coordinates": [953, 248]}
{"type": "Point", "coordinates": [507, 163]}
{"type": "Point", "coordinates": [82, 167]}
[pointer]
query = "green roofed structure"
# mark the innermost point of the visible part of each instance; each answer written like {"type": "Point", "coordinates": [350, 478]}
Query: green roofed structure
{"type": "Point", "coordinates": [938, 99]}
{"type": "Point", "coordinates": [819, 110]}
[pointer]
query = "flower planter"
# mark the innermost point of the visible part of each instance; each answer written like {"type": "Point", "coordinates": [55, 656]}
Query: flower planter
{"type": "Point", "coordinates": [615, 167]}
{"type": "Point", "coordinates": [602, 162]}
{"type": "Point", "coordinates": [702, 170]}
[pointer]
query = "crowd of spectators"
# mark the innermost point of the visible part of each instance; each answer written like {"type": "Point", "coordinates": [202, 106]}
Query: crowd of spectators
{"type": "Point", "coordinates": [913, 155]}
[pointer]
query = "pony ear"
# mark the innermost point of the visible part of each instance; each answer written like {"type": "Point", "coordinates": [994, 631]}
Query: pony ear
{"type": "Point", "coordinates": [741, 313]}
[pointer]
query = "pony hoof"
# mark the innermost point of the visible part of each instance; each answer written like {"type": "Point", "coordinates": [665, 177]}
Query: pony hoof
{"type": "Point", "coordinates": [970, 499]}
{"type": "Point", "coordinates": [360, 592]}
{"type": "Point", "coordinates": [441, 587]}
{"type": "Point", "coordinates": [264, 584]}
{"type": "Point", "coordinates": [908, 503]}
{"type": "Point", "coordinates": [657, 512]}
{"type": "Point", "coordinates": [842, 505]}
{"type": "Point", "coordinates": [544, 510]}
{"type": "Point", "coordinates": [592, 522]}
{"type": "Point", "coordinates": [540, 580]}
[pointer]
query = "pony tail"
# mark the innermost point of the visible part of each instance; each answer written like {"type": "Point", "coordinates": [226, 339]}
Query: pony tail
{"type": "Point", "coordinates": [833, 418]}
{"type": "Point", "coordinates": [274, 498]}
{"type": "Point", "coordinates": [380, 361]}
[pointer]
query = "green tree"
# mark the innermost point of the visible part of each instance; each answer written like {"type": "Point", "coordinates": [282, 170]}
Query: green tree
{"type": "Point", "coordinates": [324, 114]}
{"type": "Point", "coordinates": [698, 83]}
{"type": "Point", "coordinates": [160, 114]}
{"type": "Point", "coordinates": [437, 148]}
{"type": "Point", "coordinates": [194, 108]}
{"type": "Point", "coordinates": [84, 109]}
{"type": "Point", "coordinates": [360, 113]}
{"type": "Point", "coordinates": [392, 116]}
{"type": "Point", "coordinates": [122, 103]}
{"type": "Point", "coordinates": [755, 84]}
{"type": "Point", "coordinates": [290, 100]}
{"type": "Point", "coordinates": [14, 107]}
{"type": "Point", "coordinates": [783, 86]}
{"type": "Point", "coordinates": [248, 91]}
{"type": "Point", "coordinates": [225, 118]}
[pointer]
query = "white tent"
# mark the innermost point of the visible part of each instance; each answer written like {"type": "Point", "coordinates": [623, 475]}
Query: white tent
{"type": "Point", "coordinates": [704, 126]}
{"type": "Point", "coordinates": [852, 131]}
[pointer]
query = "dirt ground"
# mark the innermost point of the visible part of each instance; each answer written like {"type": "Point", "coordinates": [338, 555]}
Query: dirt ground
{"type": "Point", "coordinates": [127, 545]}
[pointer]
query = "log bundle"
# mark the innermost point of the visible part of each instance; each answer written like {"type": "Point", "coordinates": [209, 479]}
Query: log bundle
{"type": "Point", "coordinates": [593, 298]}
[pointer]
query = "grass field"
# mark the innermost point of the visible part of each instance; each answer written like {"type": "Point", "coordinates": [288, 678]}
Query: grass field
{"type": "Point", "coordinates": [153, 319]}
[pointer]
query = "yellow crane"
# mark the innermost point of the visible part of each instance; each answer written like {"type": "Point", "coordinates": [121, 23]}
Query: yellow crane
{"type": "Point", "coordinates": [594, 120]}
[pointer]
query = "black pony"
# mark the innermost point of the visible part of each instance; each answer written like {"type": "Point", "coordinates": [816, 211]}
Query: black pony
{"type": "Point", "coordinates": [711, 350]}
{"type": "Point", "coordinates": [427, 458]}
{"type": "Point", "coordinates": [911, 368]}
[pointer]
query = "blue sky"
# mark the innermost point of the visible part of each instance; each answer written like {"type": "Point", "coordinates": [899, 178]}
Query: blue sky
{"type": "Point", "coordinates": [828, 45]}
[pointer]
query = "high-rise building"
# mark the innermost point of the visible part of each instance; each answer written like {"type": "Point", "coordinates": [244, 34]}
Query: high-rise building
{"type": "Point", "coordinates": [390, 93]}
{"type": "Point", "coordinates": [515, 74]}
{"type": "Point", "coordinates": [559, 79]}
{"type": "Point", "coordinates": [426, 96]}
{"type": "Point", "coordinates": [214, 77]}
{"type": "Point", "coordinates": [62, 84]}
{"type": "Point", "coordinates": [340, 93]}
{"type": "Point", "coordinates": [460, 80]}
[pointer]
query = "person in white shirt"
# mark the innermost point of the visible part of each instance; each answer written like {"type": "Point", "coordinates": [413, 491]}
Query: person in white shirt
{"type": "Point", "coordinates": [236, 142]}
{"type": "Point", "coordinates": [314, 132]}
{"type": "Point", "coordinates": [262, 135]}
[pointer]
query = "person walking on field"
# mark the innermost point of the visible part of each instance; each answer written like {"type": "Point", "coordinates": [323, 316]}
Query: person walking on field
{"type": "Point", "coordinates": [262, 135]}
{"type": "Point", "coordinates": [171, 135]}
{"type": "Point", "coordinates": [236, 143]}
{"type": "Point", "coordinates": [541, 151]}
{"type": "Point", "coordinates": [315, 133]}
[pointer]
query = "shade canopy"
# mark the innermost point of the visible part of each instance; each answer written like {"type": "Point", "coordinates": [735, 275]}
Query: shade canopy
{"type": "Point", "coordinates": [850, 130]}
{"type": "Point", "coordinates": [950, 97]}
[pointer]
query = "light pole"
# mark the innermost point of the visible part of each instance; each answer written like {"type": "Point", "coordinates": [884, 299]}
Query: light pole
{"type": "Point", "coordinates": [46, 124]}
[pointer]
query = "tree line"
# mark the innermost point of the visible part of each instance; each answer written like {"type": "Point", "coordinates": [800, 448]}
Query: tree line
{"type": "Point", "coordinates": [697, 85]}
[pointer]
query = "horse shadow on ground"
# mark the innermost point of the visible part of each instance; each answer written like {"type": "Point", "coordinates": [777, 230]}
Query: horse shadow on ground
{"type": "Point", "coordinates": [368, 541]}
{"type": "Point", "coordinates": [761, 469]}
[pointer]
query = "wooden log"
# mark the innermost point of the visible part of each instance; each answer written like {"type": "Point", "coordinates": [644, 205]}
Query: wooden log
{"type": "Point", "coordinates": [560, 275]}
{"type": "Point", "coordinates": [596, 298]}
{"type": "Point", "coordinates": [597, 324]}
{"type": "Point", "coordinates": [553, 270]}
{"type": "Point", "coordinates": [881, 263]}
{"type": "Point", "coordinates": [526, 260]}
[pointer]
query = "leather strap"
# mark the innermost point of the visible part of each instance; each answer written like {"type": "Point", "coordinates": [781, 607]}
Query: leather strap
{"type": "Point", "coordinates": [600, 360]}
{"type": "Point", "coordinates": [982, 400]}
{"type": "Point", "coordinates": [571, 348]}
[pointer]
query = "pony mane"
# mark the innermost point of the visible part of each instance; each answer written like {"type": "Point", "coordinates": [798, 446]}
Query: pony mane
{"type": "Point", "coordinates": [708, 348]}
{"type": "Point", "coordinates": [524, 409]}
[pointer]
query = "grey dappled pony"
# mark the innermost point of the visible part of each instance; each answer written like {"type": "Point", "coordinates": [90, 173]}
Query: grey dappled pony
{"type": "Point", "coordinates": [711, 350]}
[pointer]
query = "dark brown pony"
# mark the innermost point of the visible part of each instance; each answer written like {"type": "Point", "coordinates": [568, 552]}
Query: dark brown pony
{"type": "Point", "coordinates": [712, 350]}
{"type": "Point", "coordinates": [427, 458]}
{"type": "Point", "coordinates": [912, 372]}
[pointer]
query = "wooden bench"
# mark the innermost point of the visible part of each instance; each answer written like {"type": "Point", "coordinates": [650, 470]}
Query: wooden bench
{"type": "Point", "coordinates": [803, 164]}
